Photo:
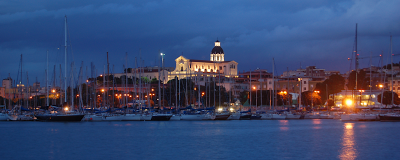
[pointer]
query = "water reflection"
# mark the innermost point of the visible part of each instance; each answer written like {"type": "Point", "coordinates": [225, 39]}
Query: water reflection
{"type": "Point", "coordinates": [348, 151]}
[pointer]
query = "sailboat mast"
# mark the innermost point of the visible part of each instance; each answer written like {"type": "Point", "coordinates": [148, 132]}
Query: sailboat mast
{"type": "Point", "coordinates": [391, 81]}
{"type": "Point", "coordinates": [47, 78]}
{"type": "Point", "coordinates": [65, 63]}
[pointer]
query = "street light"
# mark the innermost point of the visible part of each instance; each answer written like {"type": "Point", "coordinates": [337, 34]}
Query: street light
{"type": "Point", "coordinates": [361, 91]}
{"type": "Point", "coordinates": [256, 95]}
{"type": "Point", "coordinates": [312, 99]}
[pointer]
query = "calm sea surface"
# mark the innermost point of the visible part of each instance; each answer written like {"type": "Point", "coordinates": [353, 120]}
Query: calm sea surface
{"type": "Point", "coordinates": [249, 139]}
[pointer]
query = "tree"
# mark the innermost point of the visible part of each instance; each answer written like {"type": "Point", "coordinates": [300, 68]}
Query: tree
{"type": "Point", "coordinates": [306, 98]}
{"type": "Point", "coordinates": [362, 81]}
{"type": "Point", "coordinates": [243, 96]}
{"type": "Point", "coordinates": [387, 98]}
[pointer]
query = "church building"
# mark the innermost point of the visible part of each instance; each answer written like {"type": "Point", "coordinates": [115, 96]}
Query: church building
{"type": "Point", "coordinates": [204, 70]}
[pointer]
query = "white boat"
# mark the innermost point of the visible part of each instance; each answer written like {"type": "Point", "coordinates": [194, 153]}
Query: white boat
{"type": "Point", "coordinates": [132, 117]}
{"type": "Point", "coordinates": [278, 116]}
{"type": "Point", "coordinates": [326, 116]}
{"type": "Point", "coordinates": [192, 117]}
{"type": "Point", "coordinates": [175, 117]}
{"type": "Point", "coordinates": [359, 117]}
{"type": "Point", "coordinates": [208, 117]}
{"type": "Point", "coordinates": [312, 116]}
{"type": "Point", "coordinates": [292, 116]}
{"type": "Point", "coordinates": [146, 117]}
{"type": "Point", "coordinates": [92, 117]}
{"type": "Point", "coordinates": [21, 117]}
{"type": "Point", "coordinates": [113, 117]}
{"type": "Point", "coordinates": [3, 117]}
{"type": "Point", "coordinates": [234, 116]}
{"type": "Point", "coordinates": [266, 116]}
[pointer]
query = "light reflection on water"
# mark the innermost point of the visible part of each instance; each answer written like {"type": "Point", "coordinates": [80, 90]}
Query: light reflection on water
{"type": "Point", "coordinates": [348, 145]}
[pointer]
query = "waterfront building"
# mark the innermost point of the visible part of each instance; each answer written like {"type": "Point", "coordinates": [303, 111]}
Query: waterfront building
{"type": "Point", "coordinates": [204, 71]}
{"type": "Point", "coordinates": [362, 98]}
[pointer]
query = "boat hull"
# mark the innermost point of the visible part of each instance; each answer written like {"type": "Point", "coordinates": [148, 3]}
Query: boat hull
{"type": "Point", "coordinates": [161, 117]}
{"type": "Point", "coordinates": [293, 116]}
{"type": "Point", "coordinates": [92, 117]}
{"type": "Point", "coordinates": [61, 118]}
{"type": "Point", "coordinates": [245, 117]}
{"type": "Point", "coordinates": [145, 117]}
{"type": "Point", "coordinates": [278, 117]}
{"type": "Point", "coordinates": [113, 118]}
{"type": "Point", "coordinates": [221, 116]}
{"type": "Point", "coordinates": [389, 118]}
{"type": "Point", "coordinates": [3, 117]}
{"type": "Point", "coordinates": [192, 117]}
{"type": "Point", "coordinates": [132, 117]}
{"type": "Point", "coordinates": [175, 118]}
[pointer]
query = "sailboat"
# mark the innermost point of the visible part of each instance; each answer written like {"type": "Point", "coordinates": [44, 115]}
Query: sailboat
{"type": "Point", "coordinates": [66, 115]}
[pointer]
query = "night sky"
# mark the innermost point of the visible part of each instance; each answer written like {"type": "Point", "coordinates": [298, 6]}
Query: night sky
{"type": "Point", "coordinates": [294, 33]}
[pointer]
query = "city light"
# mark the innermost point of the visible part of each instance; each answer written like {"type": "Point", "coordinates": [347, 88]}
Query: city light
{"type": "Point", "coordinates": [53, 91]}
{"type": "Point", "coordinates": [316, 91]}
{"type": "Point", "coordinates": [349, 102]}
{"type": "Point", "coordinates": [66, 109]}
{"type": "Point", "coordinates": [102, 90]}
{"type": "Point", "coordinates": [220, 109]}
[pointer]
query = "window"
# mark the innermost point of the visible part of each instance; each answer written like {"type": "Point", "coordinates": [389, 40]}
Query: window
{"type": "Point", "coordinates": [220, 67]}
{"type": "Point", "coordinates": [269, 82]}
{"type": "Point", "coordinates": [190, 66]}
{"type": "Point", "coordinates": [181, 68]}
{"type": "Point", "coordinates": [305, 82]}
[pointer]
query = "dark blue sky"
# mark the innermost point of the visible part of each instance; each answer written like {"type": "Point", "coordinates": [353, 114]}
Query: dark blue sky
{"type": "Point", "coordinates": [309, 32]}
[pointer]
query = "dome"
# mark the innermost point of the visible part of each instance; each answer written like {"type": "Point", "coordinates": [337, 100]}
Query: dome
{"type": "Point", "coordinates": [217, 48]}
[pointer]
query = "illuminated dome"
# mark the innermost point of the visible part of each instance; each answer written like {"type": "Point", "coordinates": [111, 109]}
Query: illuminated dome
{"type": "Point", "coordinates": [217, 48]}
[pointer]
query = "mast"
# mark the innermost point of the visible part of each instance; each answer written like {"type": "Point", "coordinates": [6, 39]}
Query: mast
{"type": "Point", "coordinates": [391, 54]}
{"type": "Point", "coordinates": [72, 86]}
{"type": "Point", "coordinates": [159, 85]}
{"type": "Point", "coordinates": [107, 79]}
{"type": "Point", "coordinates": [65, 64]}
{"type": "Point", "coordinates": [250, 89]}
{"type": "Point", "coordinates": [47, 78]}
{"type": "Point", "coordinates": [273, 83]}
{"type": "Point", "coordinates": [54, 83]}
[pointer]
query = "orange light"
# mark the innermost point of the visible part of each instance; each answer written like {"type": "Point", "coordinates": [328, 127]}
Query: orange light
{"type": "Point", "coordinates": [102, 90]}
{"type": "Point", "coordinates": [152, 89]}
{"type": "Point", "coordinates": [77, 95]}
{"type": "Point", "coordinates": [316, 91]}
{"type": "Point", "coordinates": [53, 90]}
{"type": "Point", "coordinates": [101, 75]}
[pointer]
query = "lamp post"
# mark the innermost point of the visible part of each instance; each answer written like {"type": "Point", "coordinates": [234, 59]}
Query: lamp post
{"type": "Point", "coordinates": [361, 91]}
{"type": "Point", "coordinates": [312, 97]}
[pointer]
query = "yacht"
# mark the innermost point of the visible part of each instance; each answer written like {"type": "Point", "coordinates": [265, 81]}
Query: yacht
{"type": "Point", "coordinates": [146, 116]}
{"type": "Point", "coordinates": [161, 117]}
{"type": "Point", "coordinates": [113, 117]}
{"type": "Point", "coordinates": [277, 116]}
{"type": "Point", "coordinates": [175, 117]}
{"type": "Point", "coordinates": [3, 117]}
{"type": "Point", "coordinates": [234, 116]}
{"type": "Point", "coordinates": [389, 117]}
{"type": "Point", "coordinates": [60, 117]}
{"type": "Point", "coordinates": [222, 116]}
{"type": "Point", "coordinates": [132, 117]}
{"type": "Point", "coordinates": [93, 117]}
{"type": "Point", "coordinates": [290, 115]}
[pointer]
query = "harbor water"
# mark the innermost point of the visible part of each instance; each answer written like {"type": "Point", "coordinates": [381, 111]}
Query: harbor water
{"type": "Point", "coordinates": [245, 139]}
